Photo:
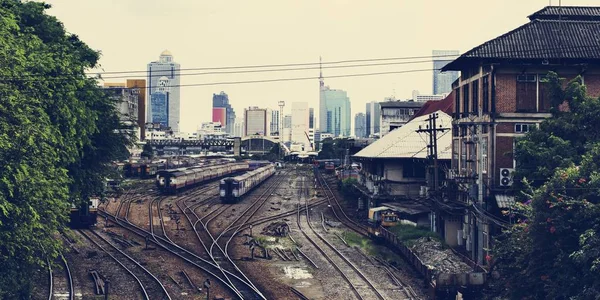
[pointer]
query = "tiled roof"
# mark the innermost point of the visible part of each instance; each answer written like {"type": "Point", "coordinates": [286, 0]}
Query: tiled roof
{"type": "Point", "coordinates": [446, 105]}
{"type": "Point", "coordinates": [406, 142]}
{"type": "Point", "coordinates": [407, 104]}
{"type": "Point", "coordinates": [539, 40]}
{"type": "Point", "coordinates": [567, 13]}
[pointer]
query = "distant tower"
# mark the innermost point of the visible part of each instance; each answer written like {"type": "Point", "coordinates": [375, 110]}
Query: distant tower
{"type": "Point", "coordinates": [281, 105]}
{"type": "Point", "coordinates": [321, 81]}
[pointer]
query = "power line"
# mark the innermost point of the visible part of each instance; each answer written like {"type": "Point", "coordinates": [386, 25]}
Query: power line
{"type": "Point", "coordinates": [548, 51]}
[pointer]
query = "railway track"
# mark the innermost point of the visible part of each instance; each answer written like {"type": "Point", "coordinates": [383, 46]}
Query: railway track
{"type": "Point", "coordinates": [351, 274]}
{"type": "Point", "coordinates": [61, 284]}
{"type": "Point", "coordinates": [150, 285]}
{"type": "Point", "coordinates": [337, 208]}
{"type": "Point", "coordinates": [189, 257]}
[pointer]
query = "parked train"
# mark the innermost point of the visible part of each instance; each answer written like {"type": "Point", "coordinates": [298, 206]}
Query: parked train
{"type": "Point", "coordinates": [232, 189]}
{"type": "Point", "coordinates": [382, 216]}
{"type": "Point", "coordinates": [85, 215]}
{"type": "Point", "coordinates": [143, 170]}
{"type": "Point", "coordinates": [173, 181]}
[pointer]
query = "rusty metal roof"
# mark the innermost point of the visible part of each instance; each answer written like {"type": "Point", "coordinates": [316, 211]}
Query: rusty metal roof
{"type": "Point", "coordinates": [406, 142]}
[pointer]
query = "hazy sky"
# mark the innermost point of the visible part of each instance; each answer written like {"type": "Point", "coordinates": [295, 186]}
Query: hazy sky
{"type": "Point", "coordinates": [131, 33]}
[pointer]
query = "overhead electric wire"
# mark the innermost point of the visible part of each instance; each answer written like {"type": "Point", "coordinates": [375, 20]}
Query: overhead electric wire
{"type": "Point", "coordinates": [548, 51]}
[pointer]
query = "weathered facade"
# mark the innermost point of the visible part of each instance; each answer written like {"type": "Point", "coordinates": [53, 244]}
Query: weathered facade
{"type": "Point", "coordinates": [501, 94]}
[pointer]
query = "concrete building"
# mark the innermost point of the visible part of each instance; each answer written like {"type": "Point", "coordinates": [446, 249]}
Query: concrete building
{"type": "Point", "coordinates": [287, 121]}
{"type": "Point", "coordinates": [256, 121]}
{"type": "Point", "coordinates": [238, 128]}
{"type": "Point", "coordinates": [360, 125]}
{"type": "Point", "coordinates": [311, 118]}
{"type": "Point", "coordinates": [373, 118]}
{"type": "Point", "coordinates": [334, 111]}
{"type": "Point", "coordinates": [163, 78]}
{"type": "Point", "coordinates": [211, 131]}
{"type": "Point", "coordinates": [300, 123]}
{"type": "Point", "coordinates": [442, 81]}
{"type": "Point", "coordinates": [223, 112]}
{"type": "Point", "coordinates": [274, 125]}
{"type": "Point", "coordinates": [500, 95]}
{"type": "Point", "coordinates": [394, 114]}
{"type": "Point", "coordinates": [418, 97]}
{"type": "Point", "coordinates": [127, 100]}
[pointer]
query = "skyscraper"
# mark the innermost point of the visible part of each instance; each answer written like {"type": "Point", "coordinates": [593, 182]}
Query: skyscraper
{"type": "Point", "coordinates": [140, 86]}
{"type": "Point", "coordinates": [334, 110]}
{"type": "Point", "coordinates": [373, 117]}
{"type": "Point", "coordinates": [360, 125]}
{"type": "Point", "coordinates": [300, 123]}
{"type": "Point", "coordinates": [166, 72]}
{"type": "Point", "coordinates": [223, 112]}
{"type": "Point", "coordinates": [311, 118]}
{"type": "Point", "coordinates": [256, 121]}
{"type": "Point", "coordinates": [442, 82]}
{"type": "Point", "coordinates": [274, 126]}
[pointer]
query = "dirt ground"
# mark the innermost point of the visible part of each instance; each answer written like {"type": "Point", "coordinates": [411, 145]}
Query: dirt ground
{"type": "Point", "coordinates": [275, 276]}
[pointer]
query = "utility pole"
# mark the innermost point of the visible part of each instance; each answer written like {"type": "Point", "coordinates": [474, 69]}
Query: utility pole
{"type": "Point", "coordinates": [432, 155]}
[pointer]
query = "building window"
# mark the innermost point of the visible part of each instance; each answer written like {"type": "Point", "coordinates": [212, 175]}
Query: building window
{"type": "Point", "coordinates": [484, 155]}
{"type": "Point", "coordinates": [463, 156]}
{"type": "Point", "coordinates": [545, 102]}
{"type": "Point", "coordinates": [455, 144]}
{"type": "Point", "coordinates": [486, 94]}
{"type": "Point", "coordinates": [466, 99]}
{"type": "Point", "coordinates": [523, 127]}
{"type": "Point", "coordinates": [526, 93]}
{"type": "Point", "coordinates": [457, 104]}
{"type": "Point", "coordinates": [475, 99]}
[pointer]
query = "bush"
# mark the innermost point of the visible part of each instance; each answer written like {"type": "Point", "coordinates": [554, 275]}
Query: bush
{"type": "Point", "coordinates": [409, 232]}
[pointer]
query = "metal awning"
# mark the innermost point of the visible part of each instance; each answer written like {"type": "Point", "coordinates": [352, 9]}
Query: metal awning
{"type": "Point", "coordinates": [505, 201]}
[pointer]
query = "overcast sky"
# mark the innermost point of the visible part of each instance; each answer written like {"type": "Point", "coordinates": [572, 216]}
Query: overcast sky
{"type": "Point", "coordinates": [131, 33]}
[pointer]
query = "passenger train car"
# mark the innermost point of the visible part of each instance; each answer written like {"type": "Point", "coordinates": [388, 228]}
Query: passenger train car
{"type": "Point", "coordinates": [173, 181]}
{"type": "Point", "coordinates": [232, 189]}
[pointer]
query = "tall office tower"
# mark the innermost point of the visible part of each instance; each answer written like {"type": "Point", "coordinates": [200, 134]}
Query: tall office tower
{"type": "Point", "coordinates": [238, 128]}
{"type": "Point", "coordinates": [300, 123]}
{"type": "Point", "coordinates": [274, 125]}
{"type": "Point", "coordinates": [223, 112]}
{"type": "Point", "coordinates": [165, 72]}
{"type": "Point", "coordinates": [373, 117]}
{"type": "Point", "coordinates": [360, 125]}
{"type": "Point", "coordinates": [311, 118]}
{"type": "Point", "coordinates": [139, 86]}
{"type": "Point", "coordinates": [442, 82]}
{"type": "Point", "coordinates": [287, 121]}
{"type": "Point", "coordinates": [256, 121]}
{"type": "Point", "coordinates": [334, 111]}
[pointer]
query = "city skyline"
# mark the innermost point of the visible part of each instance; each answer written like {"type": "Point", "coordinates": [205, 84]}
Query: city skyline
{"type": "Point", "coordinates": [340, 38]}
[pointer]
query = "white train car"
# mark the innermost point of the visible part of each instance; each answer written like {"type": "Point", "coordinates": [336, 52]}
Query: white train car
{"type": "Point", "coordinates": [232, 189]}
{"type": "Point", "coordinates": [172, 181]}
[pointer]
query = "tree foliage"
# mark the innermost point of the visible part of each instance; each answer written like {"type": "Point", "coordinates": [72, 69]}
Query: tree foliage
{"type": "Point", "coordinates": [553, 252]}
{"type": "Point", "coordinates": [58, 132]}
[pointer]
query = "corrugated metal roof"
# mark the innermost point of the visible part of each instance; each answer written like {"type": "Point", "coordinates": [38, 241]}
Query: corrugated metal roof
{"type": "Point", "coordinates": [407, 104]}
{"type": "Point", "coordinates": [505, 201]}
{"type": "Point", "coordinates": [539, 39]}
{"type": "Point", "coordinates": [406, 142]}
{"type": "Point", "coordinates": [567, 12]}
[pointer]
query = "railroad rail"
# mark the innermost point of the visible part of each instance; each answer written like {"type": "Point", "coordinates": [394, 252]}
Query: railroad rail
{"type": "Point", "coordinates": [145, 279]}
{"type": "Point", "coordinates": [336, 252]}
{"type": "Point", "coordinates": [69, 292]}
{"type": "Point", "coordinates": [338, 210]}
{"type": "Point", "coordinates": [184, 254]}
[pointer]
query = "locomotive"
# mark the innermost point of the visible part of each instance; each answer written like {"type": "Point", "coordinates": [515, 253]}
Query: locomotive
{"type": "Point", "coordinates": [231, 189]}
{"type": "Point", "coordinates": [85, 214]}
{"type": "Point", "coordinates": [173, 181]}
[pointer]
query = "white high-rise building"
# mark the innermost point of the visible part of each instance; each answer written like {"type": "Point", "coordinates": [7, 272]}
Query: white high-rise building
{"type": "Point", "coordinates": [300, 123]}
{"type": "Point", "coordinates": [164, 81]}
{"type": "Point", "coordinates": [257, 121]}
{"type": "Point", "coordinates": [238, 127]}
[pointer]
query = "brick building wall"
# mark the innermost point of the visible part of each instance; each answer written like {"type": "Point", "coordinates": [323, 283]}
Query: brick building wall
{"type": "Point", "coordinates": [506, 93]}
{"type": "Point", "coordinates": [592, 83]}
{"type": "Point", "coordinates": [504, 155]}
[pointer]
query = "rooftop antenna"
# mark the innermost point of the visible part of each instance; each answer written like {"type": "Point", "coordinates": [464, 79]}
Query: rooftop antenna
{"type": "Point", "coordinates": [321, 72]}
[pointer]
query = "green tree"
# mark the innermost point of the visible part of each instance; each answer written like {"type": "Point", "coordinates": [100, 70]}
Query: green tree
{"type": "Point", "coordinates": [552, 252]}
{"type": "Point", "coordinates": [58, 133]}
{"type": "Point", "coordinates": [147, 151]}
